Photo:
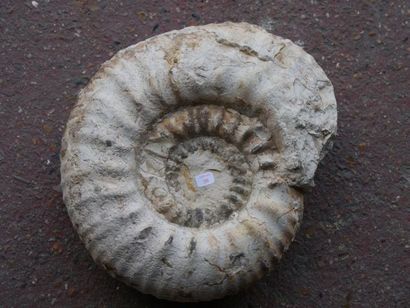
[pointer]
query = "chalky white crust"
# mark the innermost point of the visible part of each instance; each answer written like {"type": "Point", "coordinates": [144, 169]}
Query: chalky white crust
{"type": "Point", "coordinates": [252, 107]}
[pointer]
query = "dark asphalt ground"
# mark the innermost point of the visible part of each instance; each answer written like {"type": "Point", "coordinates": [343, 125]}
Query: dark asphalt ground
{"type": "Point", "coordinates": [353, 249]}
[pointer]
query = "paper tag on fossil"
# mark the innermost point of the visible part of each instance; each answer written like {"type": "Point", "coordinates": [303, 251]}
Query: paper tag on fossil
{"type": "Point", "coordinates": [204, 179]}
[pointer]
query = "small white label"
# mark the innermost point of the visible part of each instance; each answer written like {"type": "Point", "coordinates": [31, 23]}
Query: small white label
{"type": "Point", "coordinates": [204, 179]}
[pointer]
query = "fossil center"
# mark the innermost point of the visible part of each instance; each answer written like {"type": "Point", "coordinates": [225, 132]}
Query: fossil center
{"type": "Point", "coordinates": [198, 164]}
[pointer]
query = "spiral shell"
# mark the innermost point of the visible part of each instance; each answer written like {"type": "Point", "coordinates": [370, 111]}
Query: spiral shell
{"type": "Point", "coordinates": [247, 112]}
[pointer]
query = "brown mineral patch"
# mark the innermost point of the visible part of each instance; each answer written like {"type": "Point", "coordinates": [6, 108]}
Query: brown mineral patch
{"type": "Point", "coordinates": [188, 178]}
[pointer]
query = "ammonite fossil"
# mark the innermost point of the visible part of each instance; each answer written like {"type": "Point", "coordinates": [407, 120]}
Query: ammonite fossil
{"type": "Point", "coordinates": [184, 161]}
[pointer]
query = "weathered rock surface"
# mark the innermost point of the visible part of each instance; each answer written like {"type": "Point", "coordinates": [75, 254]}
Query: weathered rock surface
{"type": "Point", "coordinates": [184, 160]}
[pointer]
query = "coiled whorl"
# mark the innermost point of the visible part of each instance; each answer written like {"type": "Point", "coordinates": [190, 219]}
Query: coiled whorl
{"type": "Point", "coordinates": [249, 110]}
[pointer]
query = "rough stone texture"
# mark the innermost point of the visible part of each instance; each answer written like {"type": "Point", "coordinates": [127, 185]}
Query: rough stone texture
{"type": "Point", "coordinates": [352, 248]}
{"type": "Point", "coordinates": [252, 109]}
